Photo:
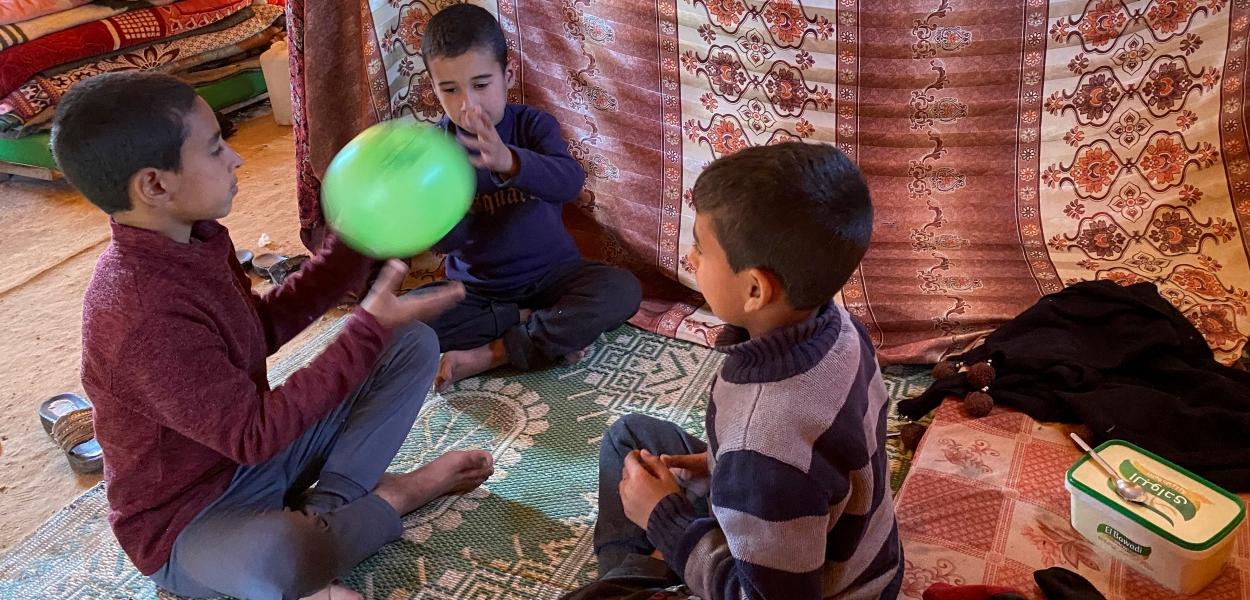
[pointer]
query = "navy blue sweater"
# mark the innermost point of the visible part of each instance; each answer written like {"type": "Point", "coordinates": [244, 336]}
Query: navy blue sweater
{"type": "Point", "coordinates": [514, 234]}
{"type": "Point", "coordinates": [800, 485]}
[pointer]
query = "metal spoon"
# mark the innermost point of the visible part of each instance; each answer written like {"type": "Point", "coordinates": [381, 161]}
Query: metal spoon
{"type": "Point", "coordinates": [1126, 489]}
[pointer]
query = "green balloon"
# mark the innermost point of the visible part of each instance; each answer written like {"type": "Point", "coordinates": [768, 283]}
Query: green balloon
{"type": "Point", "coordinates": [396, 189]}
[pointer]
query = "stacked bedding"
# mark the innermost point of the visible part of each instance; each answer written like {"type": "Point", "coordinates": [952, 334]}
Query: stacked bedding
{"type": "Point", "coordinates": [48, 46]}
{"type": "Point", "coordinates": [18, 11]}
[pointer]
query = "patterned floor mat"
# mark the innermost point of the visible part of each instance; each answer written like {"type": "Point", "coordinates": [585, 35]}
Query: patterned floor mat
{"type": "Point", "coordinates": [525, 534]}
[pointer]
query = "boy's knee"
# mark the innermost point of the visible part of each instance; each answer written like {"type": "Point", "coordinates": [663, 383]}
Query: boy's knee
{"type": "Point", "coordinates": [623, 434]}
{"type": "Point", "coordinates": [621, 293]}
{"type": "Point", "coordinates": [290, 556]}
{"type": "Point", "coordinates": [418, 343]}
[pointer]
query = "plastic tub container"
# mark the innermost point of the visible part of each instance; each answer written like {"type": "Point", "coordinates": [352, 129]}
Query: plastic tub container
{"type": "Point", "coordinates": [1181, 538]}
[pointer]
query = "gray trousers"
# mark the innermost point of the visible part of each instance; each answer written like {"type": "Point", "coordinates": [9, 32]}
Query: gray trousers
{"type": "Point", "coordinates": [626, 569]}
{"type": "Point", "coordinates": [272, 536]}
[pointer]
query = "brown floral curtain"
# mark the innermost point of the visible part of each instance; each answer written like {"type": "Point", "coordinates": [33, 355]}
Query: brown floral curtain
{"type": "Point", "coordinates": [1011, 148]}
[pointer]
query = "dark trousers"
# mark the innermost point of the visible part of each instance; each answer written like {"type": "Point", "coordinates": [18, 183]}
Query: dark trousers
{"type": "Point", "coordinates": [271, 536]}
{"type": "Point", "coordinates": [626, 569]}
{"type": "Point", "coordinates": [572, 306]}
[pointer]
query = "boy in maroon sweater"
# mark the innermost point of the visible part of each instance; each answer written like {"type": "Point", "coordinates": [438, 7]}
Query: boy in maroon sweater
{"type": "Point", "coordinates": [208, 468]}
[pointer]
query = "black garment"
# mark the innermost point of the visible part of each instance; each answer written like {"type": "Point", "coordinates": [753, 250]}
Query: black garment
{"type": "Point", "coordinates": [637, 577]}
{"type": "Point", "coordinates": [1127, 364]}
{"type": "Point", "coordinates": [1058, 583]}
{"type": "Point", "coordinates": [573, 305]}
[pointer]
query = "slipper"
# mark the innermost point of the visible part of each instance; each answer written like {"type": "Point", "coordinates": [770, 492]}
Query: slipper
{"type": "Point", "coordinates": [279, 272]}
{"type": "Point", "coordinates": [67, 418]}
{"type": "Point", "coordinates": [244, 257]}
{"type": "Point", "coordinates": [276, 267]}
{"type": "Point", "coordinates": [262, 262]}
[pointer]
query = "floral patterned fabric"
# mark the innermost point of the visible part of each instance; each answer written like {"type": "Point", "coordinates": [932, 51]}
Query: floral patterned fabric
{"type": "Point", "coordinates": [33, 29]}
{"type": "Point", "coordinates": [1010, 149]}
{"type": "Point", "coordinates": [31, 106]}
{"type": "Point", "coordinates": [19, 63]}
{"type": "Point", "coordinates": [984, 503]}
{"type": "Point", "coordinates": [330, 94]}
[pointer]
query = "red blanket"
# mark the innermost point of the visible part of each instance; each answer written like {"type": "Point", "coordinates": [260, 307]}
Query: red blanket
{"type": "Point", "coordinates": [16, 11]}
{"type": "Point", "coordinates": [19, 63]}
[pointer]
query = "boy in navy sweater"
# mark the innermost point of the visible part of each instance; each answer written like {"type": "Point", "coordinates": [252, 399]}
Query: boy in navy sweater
{"type": "Point", "coordinates": [531, 300]}
{"type": "Point", "coordinates": [789, 498]}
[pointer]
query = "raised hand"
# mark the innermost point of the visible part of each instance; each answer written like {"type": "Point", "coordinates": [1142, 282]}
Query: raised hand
{"type": "Point", "coordinates": [393, 311]}
{"type": "Point", "coordinates": [487, 150]}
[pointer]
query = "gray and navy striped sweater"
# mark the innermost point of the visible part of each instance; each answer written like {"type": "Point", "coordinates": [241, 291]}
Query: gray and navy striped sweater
{"type": "Point", "coordinates": [800, 494]}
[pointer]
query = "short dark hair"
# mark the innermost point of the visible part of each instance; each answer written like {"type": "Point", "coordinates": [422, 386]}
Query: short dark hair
{"type": "Point", "coordinates": [460, 28]}
{"type": "Point", "coordinates": [110, 126]}
{"type": "Point", "coordinates": [800, 211]}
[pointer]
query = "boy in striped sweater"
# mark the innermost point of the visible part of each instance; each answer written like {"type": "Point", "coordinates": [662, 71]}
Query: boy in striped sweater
{"type": "Point", "coordinates": [789, 498]}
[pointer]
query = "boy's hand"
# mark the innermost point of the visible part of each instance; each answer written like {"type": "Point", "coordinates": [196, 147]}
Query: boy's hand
{"type": "Point", "coordinates": [393, 311]}
{"type": "Point", "coordinates": [686, 467]}
{"type": "Point", "coordinates": [644, 482]}
{"type": "Point", "coordinates": [492, 153]}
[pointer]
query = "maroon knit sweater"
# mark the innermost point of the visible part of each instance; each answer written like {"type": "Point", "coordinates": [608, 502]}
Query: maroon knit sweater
{"type": "Point", "coordinates": [174, 348]}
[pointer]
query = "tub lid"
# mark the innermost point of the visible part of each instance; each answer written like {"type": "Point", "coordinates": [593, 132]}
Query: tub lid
{"type": "Point", "coordinates": [1182, 508]}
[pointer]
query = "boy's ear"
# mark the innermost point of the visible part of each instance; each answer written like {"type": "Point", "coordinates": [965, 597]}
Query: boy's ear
{"type": "Point", "coordinates": [150, 187]}
{"type": "Point", "coordinates": [765, 289]}
{"type": "Point", "coordinates": [510, 70]}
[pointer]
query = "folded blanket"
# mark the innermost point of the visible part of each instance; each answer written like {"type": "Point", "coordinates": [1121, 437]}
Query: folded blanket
{"type": "Point", "coordinates": [206, 76]}
{"type": "Point", "coordinates": [250, 55]}
{"type": "Point", "coordinates": [19, 63]}
{"type": "Point", "coordinates": [260, 41]}
{"type": "Point", "coordinates": [256, 43]}
{"type": "Point", "coordinates": [24, 31]}
{"type": "Point", "coordinates": [221, 25]}
{"type": "Point", "coordinates": [40, 94]}
{"type": "Point", "coordinates": [15, 11]}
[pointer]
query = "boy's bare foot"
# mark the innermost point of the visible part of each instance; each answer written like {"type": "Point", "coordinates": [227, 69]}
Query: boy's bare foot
{"type": "Point", "coordinates": [573, 358]}
{"type": "Point", "coordinates": [454, 472]}
{"type": "Point", "coordinates": [335, 592]}
{"type": "Point", "coordinates": [462, 364]}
